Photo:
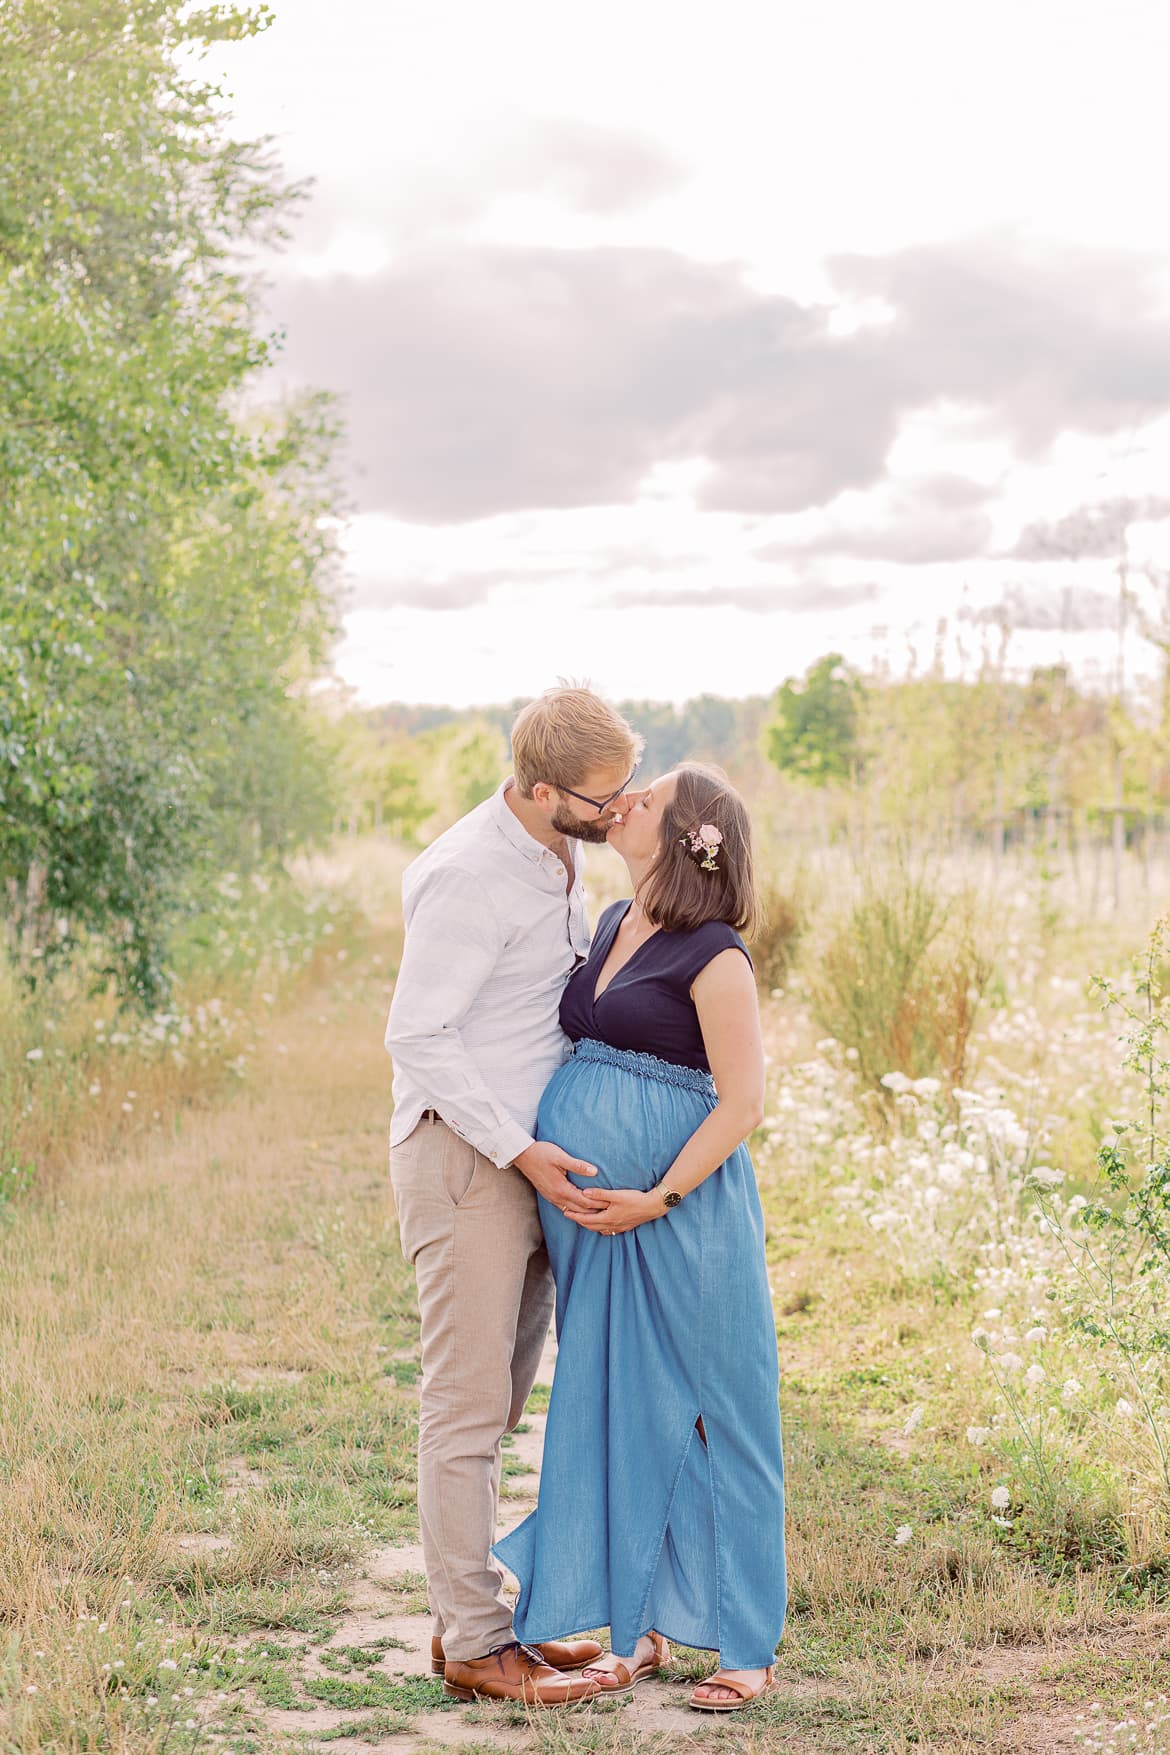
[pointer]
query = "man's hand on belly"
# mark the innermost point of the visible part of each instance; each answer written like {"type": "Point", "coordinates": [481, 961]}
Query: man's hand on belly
{"type": "Point", "coordinates": [547, 1167]}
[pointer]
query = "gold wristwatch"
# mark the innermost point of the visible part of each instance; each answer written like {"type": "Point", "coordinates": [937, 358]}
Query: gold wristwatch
{"type": "Point", "coordinates": [670, 1196]}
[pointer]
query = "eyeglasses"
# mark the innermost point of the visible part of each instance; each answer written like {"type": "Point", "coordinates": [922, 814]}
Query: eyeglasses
{"type": "Point", "coordinates": [599, 804]}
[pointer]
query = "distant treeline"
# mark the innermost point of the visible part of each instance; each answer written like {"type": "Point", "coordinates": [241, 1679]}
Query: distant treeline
{"type": "Point", "coordinates": [989, 761]}
{"type": "Point", "coordinates": [709, 728]}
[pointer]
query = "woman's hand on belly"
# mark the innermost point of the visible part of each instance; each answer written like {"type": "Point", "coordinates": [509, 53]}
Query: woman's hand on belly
{"type": "Point", "coordinates": [612, 1210]}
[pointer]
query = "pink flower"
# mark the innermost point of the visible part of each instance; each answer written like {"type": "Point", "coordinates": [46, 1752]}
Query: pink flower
{"type": "Point", "coordinates": [710, 835]}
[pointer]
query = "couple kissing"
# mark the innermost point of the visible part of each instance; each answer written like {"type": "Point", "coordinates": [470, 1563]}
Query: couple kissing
{"type": "Point", "coordinates": [568, 1135]}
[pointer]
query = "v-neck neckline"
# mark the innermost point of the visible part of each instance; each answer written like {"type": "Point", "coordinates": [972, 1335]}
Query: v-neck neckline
{"type": "Point", "coordinates": [598, 997]}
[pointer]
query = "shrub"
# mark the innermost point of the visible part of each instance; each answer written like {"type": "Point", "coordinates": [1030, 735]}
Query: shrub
{"type": "Point", "coordinates": [900, 978]}
{"type": "Point", "coordinates": [774, 945]}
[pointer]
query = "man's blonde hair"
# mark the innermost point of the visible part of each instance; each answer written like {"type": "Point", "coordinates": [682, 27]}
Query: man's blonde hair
{"type": "Point", "coordinates": [564, 735]}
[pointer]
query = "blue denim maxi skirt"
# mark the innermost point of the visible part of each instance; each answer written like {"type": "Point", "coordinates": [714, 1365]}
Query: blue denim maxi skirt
{"type": "Point", "coordinates": [640, 1524]}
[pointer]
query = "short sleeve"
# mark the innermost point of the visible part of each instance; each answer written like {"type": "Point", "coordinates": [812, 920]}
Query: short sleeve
{"type": "Point", "coordinates": [698, 948]}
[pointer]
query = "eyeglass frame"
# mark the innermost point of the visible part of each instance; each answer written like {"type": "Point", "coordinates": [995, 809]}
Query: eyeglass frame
{"type": "Point", "coordinates": [601, 804]}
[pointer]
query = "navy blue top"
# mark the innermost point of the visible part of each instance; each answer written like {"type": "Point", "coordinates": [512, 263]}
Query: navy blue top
{"type": "Point", "coordinates": [647, 1006]}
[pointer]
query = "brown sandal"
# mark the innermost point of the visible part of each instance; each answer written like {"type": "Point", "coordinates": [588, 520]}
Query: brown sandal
{"type": "Point", "coordinates": [746, 1694]}
{"type": "Point", "coordinates": [627, 1679]}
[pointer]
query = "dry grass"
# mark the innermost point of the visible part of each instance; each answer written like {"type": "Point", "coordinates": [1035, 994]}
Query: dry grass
{"type": "Point", "coordinates": [207, 1336]}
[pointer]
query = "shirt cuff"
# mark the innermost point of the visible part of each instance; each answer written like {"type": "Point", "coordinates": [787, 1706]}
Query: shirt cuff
{"type": "Point", "coordinates": [505, 1144]}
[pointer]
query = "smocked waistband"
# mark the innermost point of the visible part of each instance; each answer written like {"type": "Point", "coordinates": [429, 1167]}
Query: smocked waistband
{"type": "Point", "coordinates": [645, 1066]}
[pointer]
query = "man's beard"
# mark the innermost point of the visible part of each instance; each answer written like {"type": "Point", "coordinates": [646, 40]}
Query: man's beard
{"type": "Point", "coordinates": [594, 830]}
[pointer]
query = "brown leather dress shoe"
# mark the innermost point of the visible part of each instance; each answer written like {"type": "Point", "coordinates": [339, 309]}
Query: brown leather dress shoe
{"type": "Point", "coordinates": [514, 1672]}
{"type": "Point", "coordinates": [562, 1654]}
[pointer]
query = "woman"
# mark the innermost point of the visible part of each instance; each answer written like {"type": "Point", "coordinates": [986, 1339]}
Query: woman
{"type": "Point", "coordinates": [661, 1509]}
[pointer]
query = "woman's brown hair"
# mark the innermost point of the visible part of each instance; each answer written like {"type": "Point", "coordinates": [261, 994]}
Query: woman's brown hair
{"type": "Point", "coordinates": [677, 893]}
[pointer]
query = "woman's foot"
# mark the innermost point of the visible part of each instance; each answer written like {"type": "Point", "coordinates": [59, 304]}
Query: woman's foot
{"type": "Point", "coordinates": [615, 1674]}
{"type": "Point", "coordinates": [717, 1693]}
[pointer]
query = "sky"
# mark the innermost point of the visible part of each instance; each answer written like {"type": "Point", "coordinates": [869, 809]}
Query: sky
{"type": "Point", "coordinates": [679, 345]}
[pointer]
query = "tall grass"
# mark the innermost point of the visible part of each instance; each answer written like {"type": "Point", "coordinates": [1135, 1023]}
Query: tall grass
{"type": "Point", "coordinates": [897, 980]}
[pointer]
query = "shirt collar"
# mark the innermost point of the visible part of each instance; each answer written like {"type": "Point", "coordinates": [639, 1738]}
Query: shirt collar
{"type": "Point", "coordinates": [513, 830]}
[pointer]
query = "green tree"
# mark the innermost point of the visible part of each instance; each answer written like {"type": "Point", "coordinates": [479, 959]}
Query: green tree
{"type": "Point", "coordinates": [164, 563]}
{"type": "Point", "coordinates": [814, 732]}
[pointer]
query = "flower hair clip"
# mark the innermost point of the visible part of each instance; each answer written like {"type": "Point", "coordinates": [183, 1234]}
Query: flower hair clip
{"type": "Point", "coordinates": [703, 844]}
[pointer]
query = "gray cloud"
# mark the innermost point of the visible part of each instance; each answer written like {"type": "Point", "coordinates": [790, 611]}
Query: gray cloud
{"type": "Point", "coordinates": [457, 591]}
{"type": "Point", "coordinates": [812, 599]}
{"type": "Point", "coordinates": [1064, 609]}
{"type": "Point", "coordinates": [482, 380]}
{"type": "Point", "coordinates": [1090, 532]}
{"type": "Point", "coordinates": [587, 168]}
{"type": "Point", "coordinates": [464, 590]}
{"type": "Point", "coordinates": [932, 520]}
{"type": "Point", "coordinates": [591, 168]}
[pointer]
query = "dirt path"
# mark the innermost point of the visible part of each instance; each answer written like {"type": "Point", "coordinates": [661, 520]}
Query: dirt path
{"type": "Point", "coordinates": [656, 1708]}
{"type": "Point", "coordinates": [320, 1109]}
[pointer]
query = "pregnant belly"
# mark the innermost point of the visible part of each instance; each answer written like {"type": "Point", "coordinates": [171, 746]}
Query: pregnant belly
{"type": "Point", "coordinates": [632, 1128]}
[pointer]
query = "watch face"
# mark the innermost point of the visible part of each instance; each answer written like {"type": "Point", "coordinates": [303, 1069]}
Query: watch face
{"type": "Point", "coordinates": [672, 1197]}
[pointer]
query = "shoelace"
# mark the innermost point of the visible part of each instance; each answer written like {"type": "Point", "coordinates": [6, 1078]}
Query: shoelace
{"type": "Point", "coordinates": [517, 1645]}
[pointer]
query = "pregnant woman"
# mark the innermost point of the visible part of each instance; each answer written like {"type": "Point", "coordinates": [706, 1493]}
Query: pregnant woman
{"type": "Point", "coordinates": [661, 1508]}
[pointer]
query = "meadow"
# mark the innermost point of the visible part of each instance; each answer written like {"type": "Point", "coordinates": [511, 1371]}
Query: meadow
{"type": "Point", "coordinates": [209, 1347]}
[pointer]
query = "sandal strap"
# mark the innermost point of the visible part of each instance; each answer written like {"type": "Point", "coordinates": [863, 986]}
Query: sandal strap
{"type": "Point", "coordinates": [618, 1669]}
{"type": "Point", "coordinates": [743, 1689]}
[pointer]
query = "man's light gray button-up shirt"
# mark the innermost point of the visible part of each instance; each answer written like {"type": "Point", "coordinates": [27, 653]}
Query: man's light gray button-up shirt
{"type": "Point", "coordinates": [491, 939]}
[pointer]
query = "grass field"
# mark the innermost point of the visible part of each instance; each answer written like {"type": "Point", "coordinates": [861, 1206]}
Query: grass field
{"type": "Point", "coordinates": [209, 1352]}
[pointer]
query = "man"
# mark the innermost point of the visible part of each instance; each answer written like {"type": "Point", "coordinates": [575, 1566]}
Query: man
{"type": "Point", "coordinates": [495, 923]}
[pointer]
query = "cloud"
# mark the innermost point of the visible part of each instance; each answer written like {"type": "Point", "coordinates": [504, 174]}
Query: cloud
{"type": "Point", "coordinates": [936, 519]}
{"type": "Point", "coordinates": [456, 591]}
{"type": "Point", "coordinates": [484, 379]}
{"type": "Point", "coordinates": [583, 167]}
{"type": "Point", "coordinates": [813, 599]}
{"type": "Point", "coordinates": [464, 589]}
{"type": "Point", "coordinates": [591, 168]}
{"type": "Point", "coordinates": [1089, 532]}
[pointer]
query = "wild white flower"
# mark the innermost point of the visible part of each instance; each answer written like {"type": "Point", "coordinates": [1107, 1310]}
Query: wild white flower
{"type": "Point", "coordinates": [1044, 1177]}
{"type": "Point", "coordinates": [1070, 1391]}
{"type": "Point", "coordinates": [927, 1087]}
{"type": "Point", "coordinates": [903, 1534]}
{"type": "Point", "coordinates": [1001, 1498]}
{"type": "Point", "coordinates": [1125, 1410]}
{"type": "Point", "coordinates": [1036, 1334]}
{"type": "Point", "coordinates": [1035, 1374]}
{"type": "Point", "coordinates": [35, 1054]}
{"type": "Point", "coordinates": [167, 1664]}
{"type": "Point", "coordinates": [897, 1082]}
{"type": "Point", "coordinates": [1010, 1362]}
{"type": "Point", "coordinates": [1005, 1523]}
{"type": "Point", "coordinates": [978, 1434]}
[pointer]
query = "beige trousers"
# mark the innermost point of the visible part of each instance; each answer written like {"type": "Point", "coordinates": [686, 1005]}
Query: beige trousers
{"type": "Point", "coordinates": [485, 1296]}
